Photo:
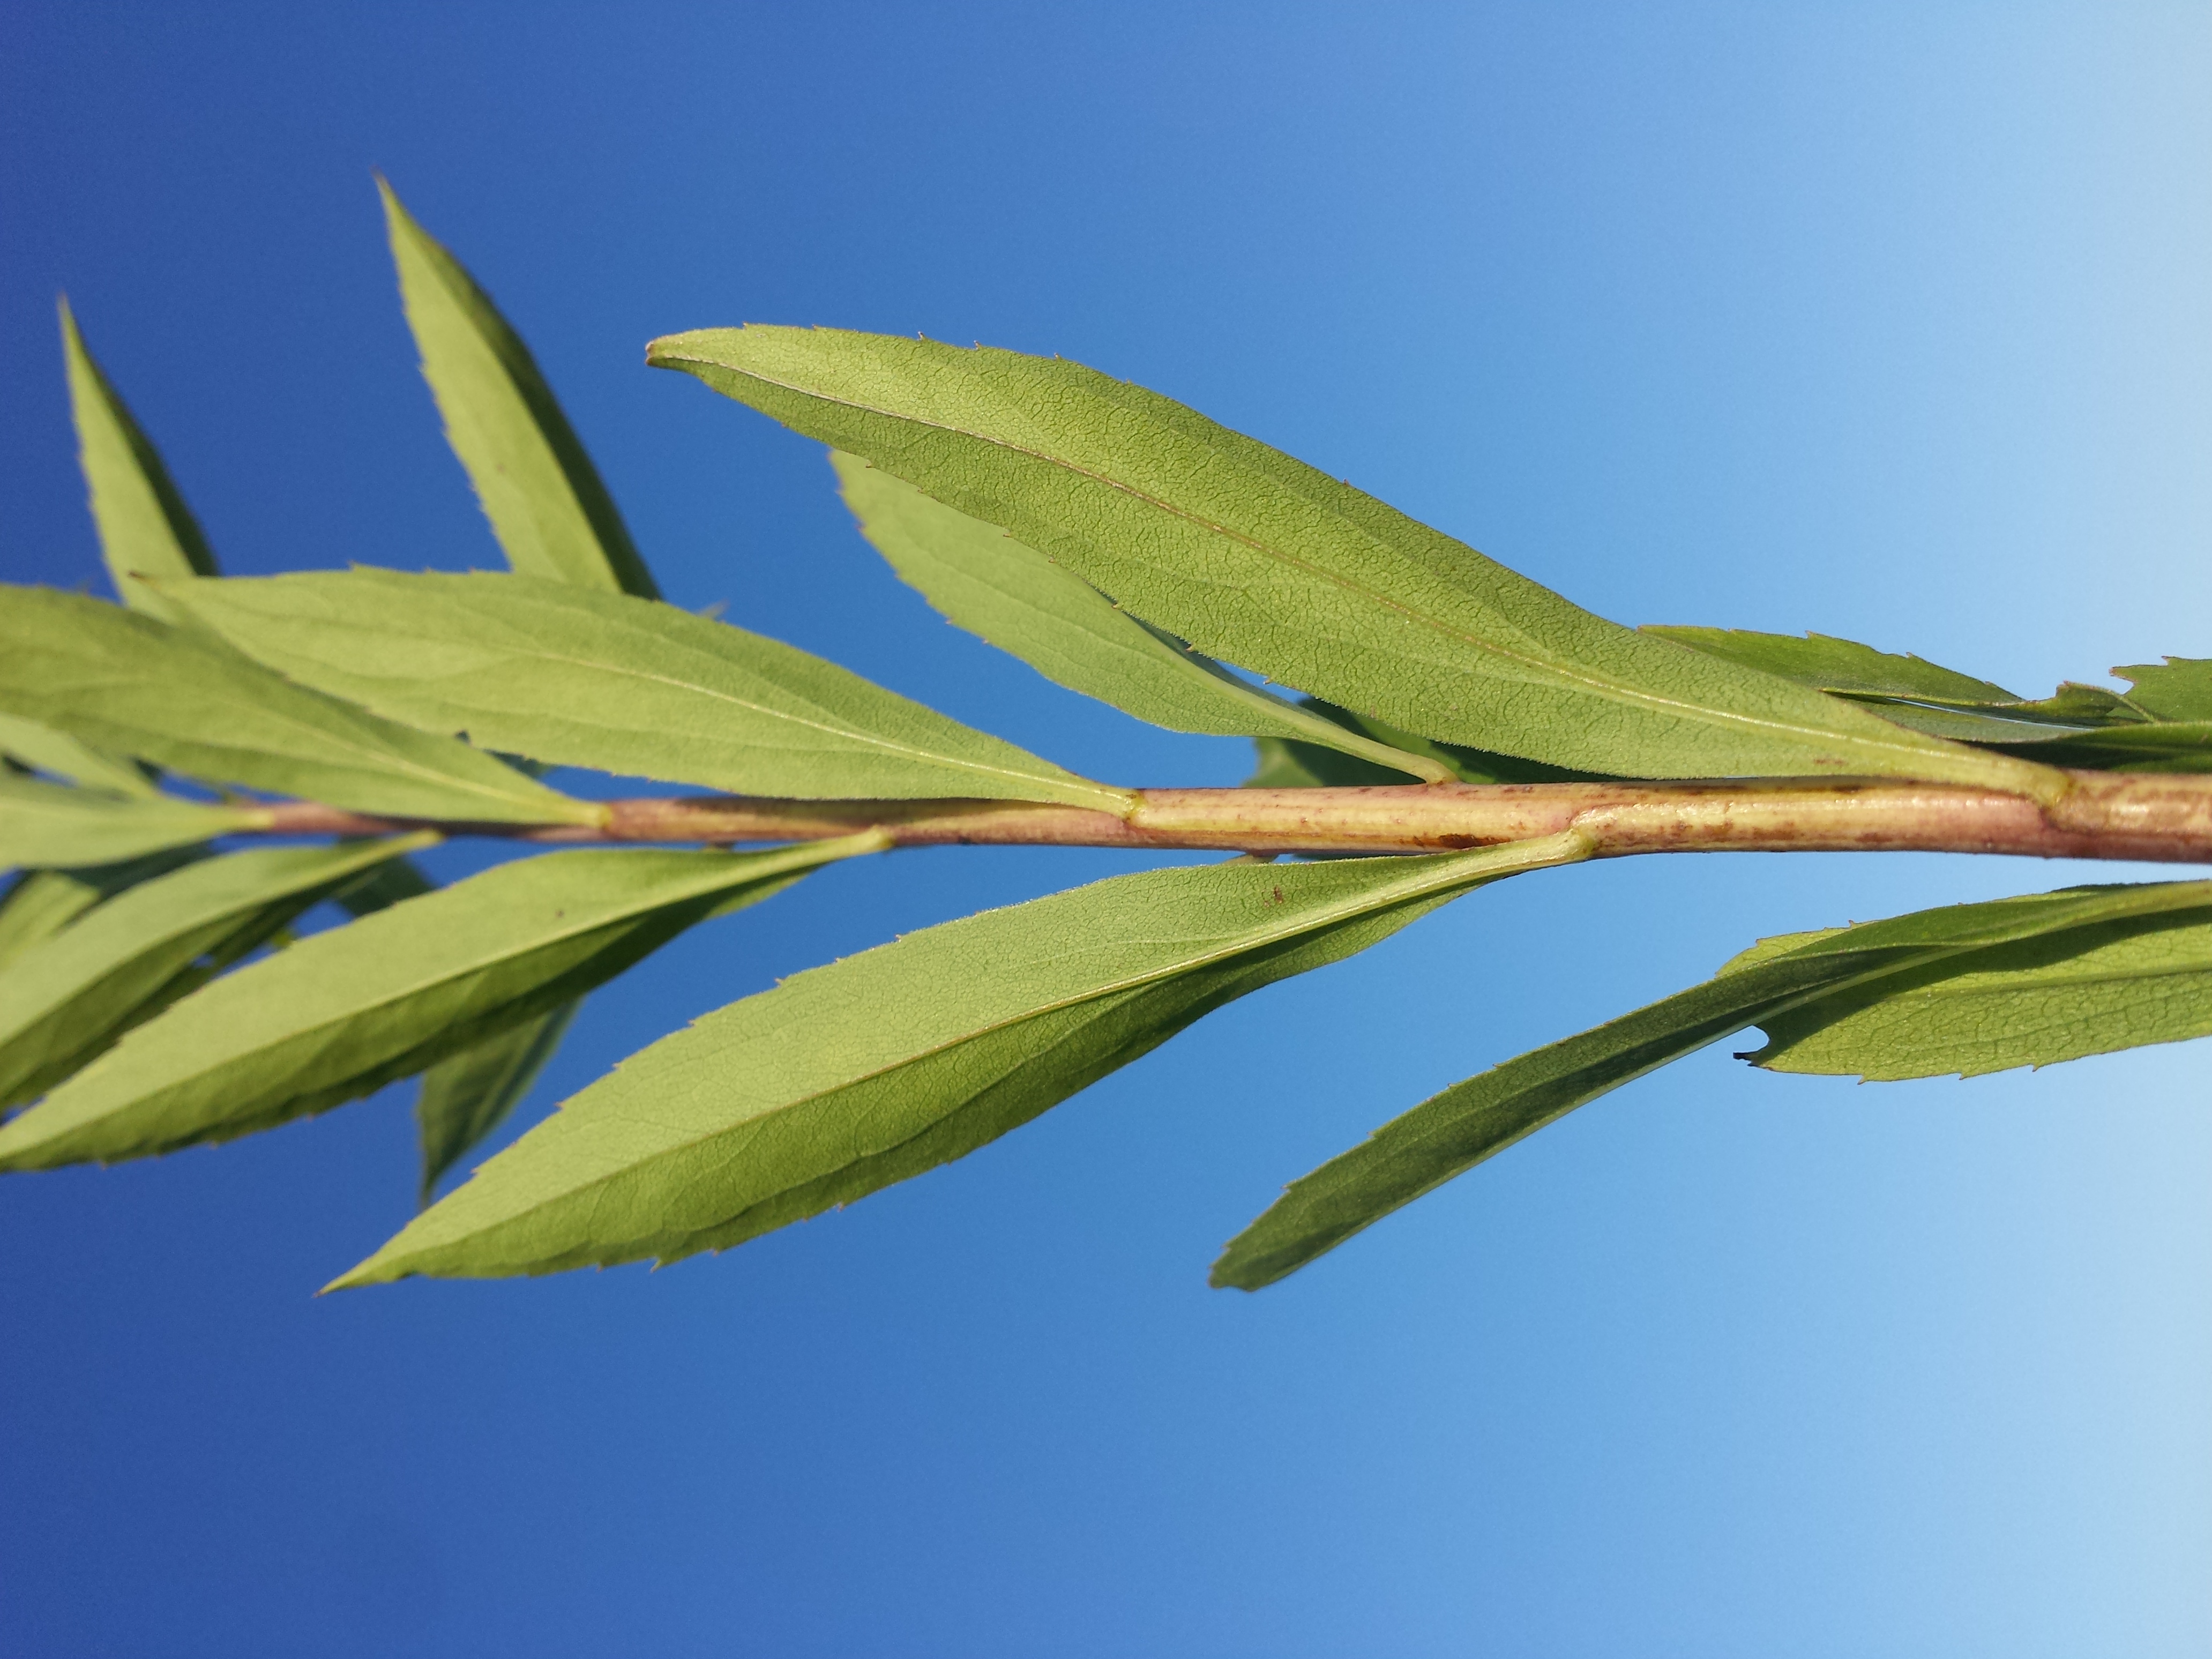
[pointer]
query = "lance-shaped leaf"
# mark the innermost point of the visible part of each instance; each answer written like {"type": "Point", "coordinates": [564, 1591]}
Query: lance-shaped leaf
{"type": "Point", "coordinates": [2150, 746]}
{"type": "Point", "coordinates": [46, 824]}
{"type": "Point", "coordinates": [846, 1079]}
{"type": "Point", "coordinates": [2178, 689]}
{"type": "Point", "coordinates": [2079, 725]}
{"type": "Point", "coordinates": [42, 748]}
{"type": "Point", "coordinates": [980, 578]}
{"type": "Point", "coordinates": [1288, 764]}
{"type": "Point", "coordinates": [1848, 968]}
{"type": "Point", "coordinates": [2088, 990]}
{"type": "Point", "coordinates": [342, 1013]}
{"type": "Point", "coordinates": [553, 517]}
{"type": "Point", "coordinates": [39, 903]}
{"type": "Point", "coordinates": [145, 526]}
{"type": "Point", "coordinates": [581, 678]}
{"type": "Point", "coordinates": [67, 1000]}
{"type": "Point", "coordinates": [466, 1097]}
{"type": "Point", "coordinates": [1839, 665]}
{"type": "Point", "coordinates": [127, 682]}
{"type": "Point", "coordinates": [1261, 561]}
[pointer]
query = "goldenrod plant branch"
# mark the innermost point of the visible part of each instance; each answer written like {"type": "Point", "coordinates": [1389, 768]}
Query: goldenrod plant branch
{"type": "Point", "coordinates": [2133, 816]}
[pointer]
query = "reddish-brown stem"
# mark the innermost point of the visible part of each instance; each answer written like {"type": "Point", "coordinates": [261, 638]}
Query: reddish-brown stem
{"type": "Point", "coordinates": [2103, 815]}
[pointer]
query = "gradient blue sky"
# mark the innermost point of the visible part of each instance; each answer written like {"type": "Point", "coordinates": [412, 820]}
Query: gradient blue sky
{"type": "Point", "coordinates": [1892, 322]}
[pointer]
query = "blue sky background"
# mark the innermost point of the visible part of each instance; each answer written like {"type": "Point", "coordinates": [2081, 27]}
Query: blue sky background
{"type": "Point", "coordinates": [1890, 322]}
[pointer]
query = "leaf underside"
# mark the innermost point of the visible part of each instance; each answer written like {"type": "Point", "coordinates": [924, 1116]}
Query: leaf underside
{"type": "Point", "coordinates": [552, 515]}
{"type": "Point", "coordinates": [1967, 988]}
{"type": "Point", "coordinates": [1261, 561]}
{"type": "Point", "coordinates": [338, 1015]}
{"type": "Point", "coordinates": [575, 678]}
{"type": "Point", "coordinates": [847, 1078]}
{"type": "Point", "coordinates": [982, 579]}
{"type": "Point", "coordinates": [145, 528]}
{"type": "Point", "coordinates": [131, 684]}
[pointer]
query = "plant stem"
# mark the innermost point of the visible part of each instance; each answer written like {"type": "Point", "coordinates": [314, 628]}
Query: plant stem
{"type": "Point", "coordinates": [2157, 817]}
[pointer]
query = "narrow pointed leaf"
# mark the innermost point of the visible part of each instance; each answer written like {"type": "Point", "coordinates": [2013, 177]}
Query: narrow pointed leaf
{"type": "Point", "coordinates": [2178, 689]}
{"type": "Point", "coordinates": [1291, 765]}
{"type": "Point", "coordinates": [2090, 990]}
{"type": "Point", "coordinates": [1454, 1131]}
{"type": "Point", "coordinates": [846, 1079]}
{"type": "Point", "coordinates": [579, 678]}
{"type": "Point", "coordinates": [385, 886]}
{"type": "Point", "coordinates": [67, 1000]}
{"type": "Point", "coordinates": [46, 824]}
{"type": "Point", "coordinates": [2153, 747]}
{"type": "Point", "coordinates": [553, 517]}
{"type": "Point", "coordinates": [129, 684]}
{"type": "Point", "coordinates": [1012, 596]}
{"type": "Point", "coordinates": [39, 903]}
{"type": "Point", "coordinates": [1261, 561]}
{"type": "Point", "coordinates": [466, 1097]}
{"type": "Point", "coordinates": [1834, 664]}
{"type": "Point", "coordinates": [338, 1015]}
{"type": "Point", "coordinates": [144, 526]}
{"type": "Point", "coordinates": [2080, 726]}
{"type": "Point", "coordinates": [45, 750]}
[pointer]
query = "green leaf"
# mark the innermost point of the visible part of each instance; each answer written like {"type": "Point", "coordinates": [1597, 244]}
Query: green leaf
{"type": "Point", "coordinates": [2090, 990]}
{"type": "Point", "coordinates": [2079, 725]}
{"type": "Point", "coordinates": [39, 903]}
{"type": "Point", "coordinates": [466, 1097]}
{"type": "Point", "coordinates": [847, 1078]}
{"type": "Point", "coordinates": [2180, 688]}
{"type": "Point", "coordinates": [385, 886]}
{"type": "Point", "coordinates": [1012, 596]}
{"type": "Point", "coordinates": [338, 1015]}
{"type": "Point", "coordinates": [1294, 765]}
{"type": "Point", "coordinates": [145, 526]}
{"type": "Point", "coordinates": [67, 1000]}
{"type": "Point", "coordinates": [130, 684]}
{"type": "Point", "coordinates": [43, 749]}
{"type": "Point", "coordinates": [1841, 967]}
{"type": "Point", "coordinates": [552, 515]}
{"type": "Point", "coordinates": [47, 824]}
{"type": "Point", "coordinates": [581, 678]}
{"type": "Point", "coordinates": [1833, 664]}
{"type": "Point", "coordinates": [2160, 746]}
{"type": "Point", "coordinates": [1261, 561]}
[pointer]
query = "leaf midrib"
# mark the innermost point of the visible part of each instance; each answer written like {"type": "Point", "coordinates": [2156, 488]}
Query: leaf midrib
{"type": "Point", "coordinates": [480, 964]}
{"type": "Point", "coordinates": [230, 700]}
{"type": "Point", "coordinates": [1122, 801]}
{"type": "Point", "coordinates": [1344, 910]}
{"type": "Point", "coordinates": [1615, 689]}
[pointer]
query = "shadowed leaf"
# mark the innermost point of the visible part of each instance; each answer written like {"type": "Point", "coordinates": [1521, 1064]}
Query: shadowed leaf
{"type": "Point", "coordinates": [47, 824]}
{"type": "Point", "coordinates": [2088, 990]}
{"type": "Point", "coordinates": [581, 678]}
{"type": "Point", "coordinates": [39, 903]}
{"type": "Point", "coordinates": [552, 515]}
{"type": "Point", "coordinates": [466, 1097]}
{"type": "Point", "coordinates": [42, 748]}
{"type": "Point", "coordinates": [137, 686]}
{"type": "Point", "coordinates": [338, 1015]}
{"type": "Point", "coordinates": [846, 1079]}
{"type": "Point", "coordinates": [1261, 561]}
{"type": "Point", "coordinates": [1838, 968]}
{"type": "Point", "coordinates": [145, 526]}
{"type": "Point", "coordinates": [2180, 688]}
{"type": "Point", "coordinates": [67, 999]}
{"type": "Point", "coordinates": [1012, 596]}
